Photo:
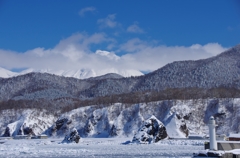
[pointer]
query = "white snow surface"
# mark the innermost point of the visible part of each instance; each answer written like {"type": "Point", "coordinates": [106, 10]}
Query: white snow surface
{"type": "Point", "coordinates": [76, 73]}
{"type": "Point", "coordinates": [119, 121]}
{"type": "Point", "coordinates": [4, 73]}
{"type": "Point", "coordinates": [98, 147]}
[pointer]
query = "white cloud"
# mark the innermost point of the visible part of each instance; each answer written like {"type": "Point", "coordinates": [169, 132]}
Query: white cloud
{"type": "Point", "coordinates": [109, 55]}
{"type": "Point", "coordinates": [134, 45]}
{"type": "Point", "coordinates": [75, 53]}
{"type": "Point", "coordinates": [71, 53]}
{"type": "Point", "coordinates": [108, 22]}
{"type": "Point", "coordinates": [211, 48]}
{"type": "Point", "coordinates": [87, 9]}
{"type": "Point", "coordinates": [149, 58]}
{"type": "Point", "coordinates": [135, 29]}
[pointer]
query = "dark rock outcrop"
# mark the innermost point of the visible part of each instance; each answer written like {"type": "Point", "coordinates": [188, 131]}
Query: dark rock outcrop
{"type": "Point", "coordinates": [72, 137]}
{"type": "Point", "coordinates": [7, 132]}
{"type": "Point", "coordinates": [151, 131]}
{"type": "Point", "coordinates": [184, 129]}
{"type": "Point", "coordinates": [61, 122]}
{"type": "Point", "coordinates": [28, 131]}
{"type": "Point", "coordinates": [182, 120]}
{"type": "Point", "coordinates": [60, 127]}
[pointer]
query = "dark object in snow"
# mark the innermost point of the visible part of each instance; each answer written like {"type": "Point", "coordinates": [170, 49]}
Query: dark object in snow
{"type": "Point", "coordinates": [7, 132]}
{"type": "Point", "coordinates": [62, 122]}
{"type": "Point", "coordinates": [151, 131]}
{"type": "Point", "coordinates": [211, 153]}
{"type": "Point", "coordinates": [28, 131]}
{"type": "Point", "coordinates": [234, 137]}
{"type": "Point", "coordinates": [73, 136]}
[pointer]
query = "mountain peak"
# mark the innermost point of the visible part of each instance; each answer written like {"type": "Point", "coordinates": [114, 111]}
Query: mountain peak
{"type": "Point", "coordinates": [4, 73]}
{"type": "Point", "coordinates": [232, 51]}
{"type": "Point", "coordinates": [107, 76]}
{"type": "Point", "coordinates": [77, 73]}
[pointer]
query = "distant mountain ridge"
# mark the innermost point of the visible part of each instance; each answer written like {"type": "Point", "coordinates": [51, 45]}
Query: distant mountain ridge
{"type": "Point", "coordinates": [4, 73]}
{"type": "Point", "coordinates": [222, 70]}
{"type": "Point", "coordinates": [77, 73]}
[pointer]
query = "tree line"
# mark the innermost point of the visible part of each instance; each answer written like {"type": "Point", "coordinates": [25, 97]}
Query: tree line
{"type": "Point", "coordinates": [57, 106]}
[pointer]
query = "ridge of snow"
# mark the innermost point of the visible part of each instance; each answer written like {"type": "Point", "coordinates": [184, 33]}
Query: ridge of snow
{"type": "Point", "coordinates": [76, 73]}
{"type": "Point", "coordinates": [4, 73]}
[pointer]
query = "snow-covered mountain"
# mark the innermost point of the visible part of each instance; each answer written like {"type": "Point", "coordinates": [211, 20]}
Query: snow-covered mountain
{"type": "Point", "coordinates": [4, 73]}
{"type": "Point", "coordinates": [180, 118]}
{"type": "Point", "coordinates": [220, 71]}
{"type": "Point", "coordinates": [77, 73]}
{"type": "Point", "coordinates": [59, 95]}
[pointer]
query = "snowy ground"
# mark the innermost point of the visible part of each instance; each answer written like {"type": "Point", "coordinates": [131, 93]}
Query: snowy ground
{"type": "Point", "coordinates": [98, 147]}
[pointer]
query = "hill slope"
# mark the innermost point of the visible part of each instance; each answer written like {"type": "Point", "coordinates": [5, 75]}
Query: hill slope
{"type": "Point", "coordinates": [220, 71]}
{"type": "Point", "coordinates": [180, 118]}
{"type": "Point", "coordinates": [212, 72]}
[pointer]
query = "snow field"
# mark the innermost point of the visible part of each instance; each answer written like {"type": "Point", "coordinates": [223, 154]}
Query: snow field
{"type": "Point", "coordinates": [98, 147]}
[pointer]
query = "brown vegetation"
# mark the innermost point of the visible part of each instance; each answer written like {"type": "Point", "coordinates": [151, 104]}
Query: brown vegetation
{"type": "Point", "coordinates": [67, 104]}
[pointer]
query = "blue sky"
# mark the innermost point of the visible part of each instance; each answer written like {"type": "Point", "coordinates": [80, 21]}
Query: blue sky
{"type": "Point", "coordinates": [139, 35]}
